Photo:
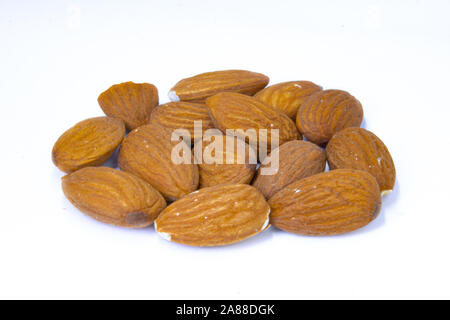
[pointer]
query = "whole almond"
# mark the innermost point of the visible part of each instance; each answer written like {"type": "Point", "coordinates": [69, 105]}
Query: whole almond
{"type": "Point", "coordinates": [131, 102]}
{"type": "Point", "coordinates": [234, 163]}
{"type": "Point", "coordinates": [237, 111]}
{"type": "Point", "coordinates": [329, 203]}
{"type": "Point", "coordinates": [215, 216]}
{"type": "Point", "coordinates": [202, 86]}
{"type": "Point", "coordinates": [181, 115]}
{"type": "Point", "coordinates": [287, 97]}
{"type": "Point", "coordinates": [327, 112]}
{"type": "Point", "coordinates": [296, 160]}
{"type": "Point", "coordinates": [146, 152]}
{"type": "Point", "coordinates": [89, 143]}
{"type": "Point", "coordinates": [113, 197]}
{"type": "Point", "coordinates": [358, 148]}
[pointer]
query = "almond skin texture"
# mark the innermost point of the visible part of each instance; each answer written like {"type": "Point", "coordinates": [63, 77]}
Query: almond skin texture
{"type": "Point", "coordinates": [215, 216]}
{"type": "Point", "coordinates": [326, 112]}
{"type": "Point", "coordinates": [146, 152]}
{"type": "Point", "coordinates": [238, 111]}
{"type": "Point", "coordinates": [202, 86]}
{"type": "Point", "coordinates": [181, 115]}
{"type": "Point", "coordinates": [358, 148]}
{"type": "Point", "coordinates": [232, 166]}
{"type": "Point", "coordinates": [89, 143]}
{"type": "Point", "coordinates": [114, 197]}
{"type": "Point", "coordinates": [329, 203]}
{"type": "Point", "coordinates": [287, 97]}
{"type": "Point", "coordinates": [131, 102]}
{"type": "Point", "coordinates": [297, 160]}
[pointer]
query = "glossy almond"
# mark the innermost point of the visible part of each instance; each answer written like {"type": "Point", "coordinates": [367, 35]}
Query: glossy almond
{"type": "Point", "coordinates": [357, 148]}
{"type": "Point", "coordinates": [114, 197]}
{"type": "Point", "coordinates": [287, 97]}
{"type": "Point", "coordinates": [146, 152]}
{"type": "Point", "coordinates": [326, 112]}
{"type": "Point", "coordinates": [296, 160]}
{"type": "Point", "coordinates": [238, 111]}
{"type": "Point", "coordinates": [131, 102]}
{"type": "Point", "coordinates": [215, 216]}
{"type": "Point", "coordinates": [202, 86]}
{"type": "Point", "coordinates": [221, 162]}
{"type": "Point", "coordinates": [88, 143]}
{"type": "Point", "coordinates": [330, 203]}
{"type": "Point", "coordinates": [181, 115]}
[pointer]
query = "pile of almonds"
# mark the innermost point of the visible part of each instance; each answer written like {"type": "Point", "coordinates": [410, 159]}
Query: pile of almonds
{"type": "Point", "coordinates": [204, 204]}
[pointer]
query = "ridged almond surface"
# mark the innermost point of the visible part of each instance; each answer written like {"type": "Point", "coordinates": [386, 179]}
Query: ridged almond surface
{"type": "Point", "coordinates": [287, 97]}
{"type": "Point", "coordinates": [181, 115]}
{"type": "Point", "coordinates": [146, 152]}
{"type": "Point", "coordinates": [114, 197]}
{"type": "Point", "coordinates": [296, 160]}
{"type": "Point", "coordinates": [236, 161]}
{"type": "Point", "coordinates": [237, 111]}
{"type": "Point", "coordinates": [131, 102]}
{"type": "Point", "coordinates": [89, 143]}
{"type": "Point", "coordinates": [215, 216]}
{"type": "Point", "coordinates": [357, 148]}
{"type": "Point", "coordinates": [327, 112]}
{"type": "Point", "coordinates": [329, 203]}
{"type": "Point", "coordinates": [202, 86]}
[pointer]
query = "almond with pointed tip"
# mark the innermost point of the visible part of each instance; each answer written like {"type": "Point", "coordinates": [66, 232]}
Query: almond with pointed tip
{"type": "Point", "coordinates": [327, 112]}
{"type": "Point", "coordinates": [358, 148]}
{"type": "Point", "coordinates": [287, 97]}
{"type": "Point", "coordinates": [114, 197]}
{"type": "Point", "coordinates": [182, 115]}
{"type": "Point", "coordinates": [89, 143]}
{"type": "Point", "coordinates": [198, 88]}
{"type": "Point", "coordinates": [240, 112]}
{"type": "Point", "coordinates": [296, 160]}
{"type": "Point", "coordinates": [329, 203]}
{"type": "Point", "coordinates": [131, 102]}
{"type": "Point", "coordinates": [147, 153]}
{"type": "Point", "coordinates": [215, 216]}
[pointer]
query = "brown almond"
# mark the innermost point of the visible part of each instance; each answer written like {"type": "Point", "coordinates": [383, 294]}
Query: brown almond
{"type": "Point", "coordinates": [326, 112]}
{"type": "Point", "coordinates": [221, 162]}
{"type": "Point", "coordinates": [146, 152]}
{"type": "Point", "coordinates": [329, 203]}
{"type": "Point", "coordinates": [202, 86]}
{"type": "Point", "coordinates": [238, 111]}
{"type": "Point", "coordinates": [296, 160]}
{"type": "Point", "coordinates": [114, 197]}
{"type": "Point", "coordinates": [215, 216]}
{"type": "Point", "coordinates": [89, 143]}
{"type": "Point", "coordinates": [181, 115]}
{"type": "Point", "coordinates": [358, 148]}
{"type": "Point", "coordinates": [131, 102]}
{"type": "Point", "coordinates": [287, 97]}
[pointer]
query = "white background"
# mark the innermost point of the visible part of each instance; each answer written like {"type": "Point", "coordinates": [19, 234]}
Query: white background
{"type": "Point", "coordinates": [56, 57]}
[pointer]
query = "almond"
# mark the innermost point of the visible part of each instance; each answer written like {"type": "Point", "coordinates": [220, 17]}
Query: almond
{"type": "Point", "coordinates": [131, 102]}
{"type": "Point", "coordinates": [287, 97]}
{"type": "Point", "coordinates": [181, 115]}
{"type": "Point", "coordinates": [146, 152]}
{"type": "Point", "coordinates": [88, 143]}
{"type": "Point", "coordinates": [234, 163]}
{"type": "Point", "coordinates": [329, 203]}
{"type": "Point", "coordinates": [357, 148]}
{"type": "Point", "coordinates": [296, 160]}
{"type": "Point", "coordinates": [327, 112]}
{"type": "Point", "coordinates": [215, 216]}
{"type": "Point", "coordinates": [114, 197]}
{"type": "Point", "coordinates": [202, 86]}
{"type": "Point", "coordinates": [238, 111]}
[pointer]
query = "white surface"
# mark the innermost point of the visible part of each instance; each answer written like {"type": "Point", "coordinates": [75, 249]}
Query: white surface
{"type": "Point", "coordinates": [57, 56]}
